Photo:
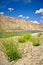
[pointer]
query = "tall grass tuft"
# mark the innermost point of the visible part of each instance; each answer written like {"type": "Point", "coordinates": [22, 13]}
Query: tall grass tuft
{"type": "Point", "coordinates": [11, 50]}
{"type": "Point", "coordinates": [24, 37]}
{"type": "Point", "coordinates": [35, 41]}
{"type": "Point", "coordinates": [39, 34]}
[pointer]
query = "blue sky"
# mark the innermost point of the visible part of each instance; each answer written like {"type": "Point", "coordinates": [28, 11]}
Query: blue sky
{"type": "Point", "coordinates": [26, 9]}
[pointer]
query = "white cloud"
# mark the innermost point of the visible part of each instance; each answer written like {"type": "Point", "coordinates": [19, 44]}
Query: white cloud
{"type": "Point", "coordinates": [27, 17]}
{"type": "Point", "coordinates": [35, 22]}
{"type": "Point", "coordinates": [20, 16]}
{"type": "Point", "coordinates": [23, 17]}
{"type": "Point", "coordinates": [10, 9]}
{"type": "Point", "coordinates": [1, 13]}
{"type": "Point", "coordinates": [39, 11]}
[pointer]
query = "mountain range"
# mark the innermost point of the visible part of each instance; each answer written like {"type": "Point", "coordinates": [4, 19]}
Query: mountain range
{"type": "Point", "coordinates": [11, 24]}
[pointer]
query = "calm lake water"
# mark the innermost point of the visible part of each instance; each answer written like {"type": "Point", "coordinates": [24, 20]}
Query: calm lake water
{"type": "Point", "coordinates": [28, 31]}
{"type": "Point", "coordinates": [20, 32]}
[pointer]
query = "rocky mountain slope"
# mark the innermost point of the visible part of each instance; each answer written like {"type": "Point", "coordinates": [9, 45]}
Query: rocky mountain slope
{"type": "Point", "coordinates": [9, 23]}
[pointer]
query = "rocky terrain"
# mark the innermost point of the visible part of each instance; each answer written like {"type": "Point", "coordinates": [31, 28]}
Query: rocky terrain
{"type": "Point", "coordinates": [10, 24]}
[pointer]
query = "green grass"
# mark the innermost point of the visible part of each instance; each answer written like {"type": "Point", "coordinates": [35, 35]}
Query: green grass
{"type": "Point", "coordinates": [35, 41]}
{"type": "Point", "coordinates": [24, 37]}
{"type": "Point", "coordinates": [21, 39]}
{"type": "Point", "coordinates": [39, 34]}
{"type": "Point", "coordinates": [11, 50]}
{"type": "Point", "coordinates": [28, 37]}
{"type": "Point", "coordinates": [6, 34]}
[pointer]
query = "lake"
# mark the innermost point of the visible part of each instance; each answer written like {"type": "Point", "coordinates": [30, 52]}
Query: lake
{"type": "Point", "coordinates": [16, 33]}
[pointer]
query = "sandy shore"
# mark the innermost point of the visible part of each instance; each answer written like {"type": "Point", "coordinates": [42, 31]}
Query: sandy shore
{"type": "Point", "coordinates": [34, 33]}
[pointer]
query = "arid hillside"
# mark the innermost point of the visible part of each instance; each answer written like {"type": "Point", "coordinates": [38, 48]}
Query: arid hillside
{"type": "Point", "coordinates": [9, 24]}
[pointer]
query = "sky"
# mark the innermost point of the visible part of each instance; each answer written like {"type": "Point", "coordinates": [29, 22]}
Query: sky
{"type": "Point", "coordinates": [31, 10]}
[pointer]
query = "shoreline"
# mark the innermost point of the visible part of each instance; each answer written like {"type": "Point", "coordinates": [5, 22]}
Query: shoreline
{"type": "Point", "coordinates": [34, 33]}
